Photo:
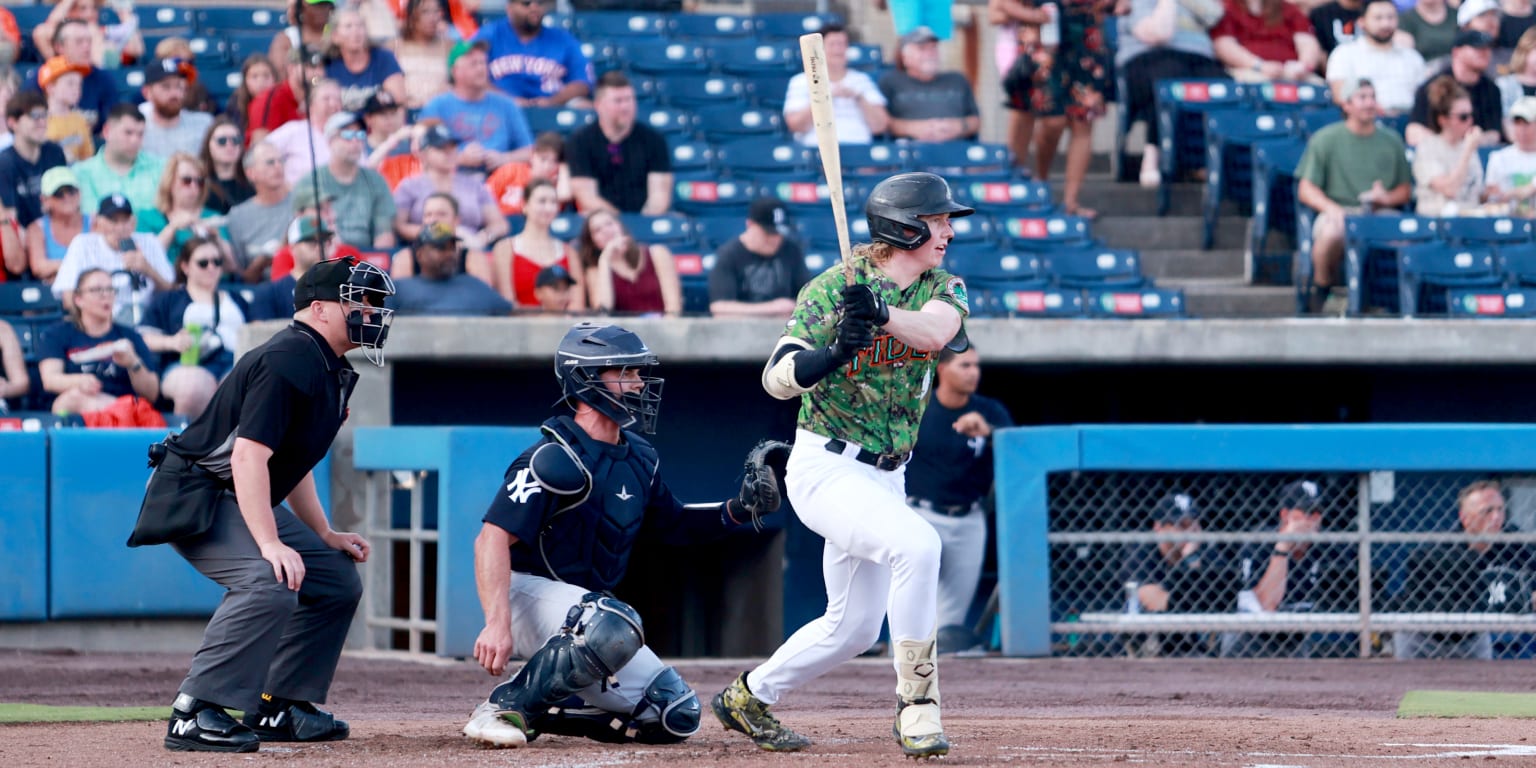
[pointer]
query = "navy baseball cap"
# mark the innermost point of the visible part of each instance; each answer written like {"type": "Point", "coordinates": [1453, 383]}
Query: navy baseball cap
{"type": "Point", "coordinates": [1175, 507]}
{"type": "Point", "coordinates": [553, 274]}
{"type": "Point", "coordinates": [114, 204]}
{"type": "Point", "coordinates": [1302, 495]}
{"type": "Point", "coordinates": [321, 283]}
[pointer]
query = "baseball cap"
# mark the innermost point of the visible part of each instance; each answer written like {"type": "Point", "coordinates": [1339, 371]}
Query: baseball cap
{"type": "Point", "coordinates": [304, 193]}
{"type": "Point", "coordinates": [341, 121]}
{"type": "Point", "coordinates": [1472, 38]}
{"type": "Point", "coordinates": [56, 68]}
{"type": "Point", "coordinates": [1347, 88]}
{"type": "Point", "coordinates": [439, 137]}
{"type": "Point", "coordinates": [57, 178]}
{"type": "Point", "coordinates": [114, 204]}
{"type": "Point", "coordinates": [769, 213]}
{"type": "Point", "coordinates": [465, 46]}
{"type": "Point", "coordinates": [322, 282]}
{"type": "Point", "coordinates": [303, 228]}
{"type": "Point", "coordinates": [918, 35]}
{"type": "Point", "coordinates": [1302, 494]}
{"type": "Point", "coordinates": [380, 101]}
{"type": "Point", "coordinates": [1471, 9]}
{"type": "Point", "coordinates": [436, 235]}
{"type": "Point", "coordinates": [553, 274]}
{"type": "Point", "coordinates": [1175, 507]}
{"type": "Point", "coordinates": [1523, 109]}
{"type": "Point", "coordinates": [161, 69]}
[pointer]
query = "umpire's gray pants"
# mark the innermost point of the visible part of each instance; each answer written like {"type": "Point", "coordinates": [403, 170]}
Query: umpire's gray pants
{"type": "Point", "coordinates": [265, 637]}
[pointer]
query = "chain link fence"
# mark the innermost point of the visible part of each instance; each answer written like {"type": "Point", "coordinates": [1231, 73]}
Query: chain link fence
{"type": "Point", "coordinates": [1257, 564]}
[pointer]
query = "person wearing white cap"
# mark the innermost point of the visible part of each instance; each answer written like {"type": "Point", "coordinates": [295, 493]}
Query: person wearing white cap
{"type": "Point", "coordinates": [1373, 56]}
{"type": "Point", "coordinates": [1481, 15]}
{"type": "Point", "coordinates": [1511, 175]}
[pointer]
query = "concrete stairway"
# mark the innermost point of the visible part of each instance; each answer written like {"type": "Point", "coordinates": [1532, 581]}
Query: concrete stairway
{"type": "Point", "coordinates": [1213, 281]}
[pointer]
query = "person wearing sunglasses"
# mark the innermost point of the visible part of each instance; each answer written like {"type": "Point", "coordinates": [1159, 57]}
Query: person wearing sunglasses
{"type": "Point", "coordinates": [1447, 173]}
{"type": "Point", "coordinates": [195, 328]}
{"type": "Point", "coordinates": [181, 209]}
{"type": "Point", "coordinates": [171, 127]}
{"type": "Point", "coordinates": [88, 360]}
{"type": "Point", "coordinates": [538, 65]}
{"type": "Point", "coordinates": [49, 237]}
{"type": "Point", "coordinates": [223, 150]}
{"type": "Point", "coordinates": [364, 205]}
{"type": "Point", "coordinates": [1470, 57]}
{"type": "Point", "coordinates": [23, 164]}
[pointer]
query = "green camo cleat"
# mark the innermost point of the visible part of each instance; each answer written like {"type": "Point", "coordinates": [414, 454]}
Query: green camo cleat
{"type": "Point", "coordinates": [739, 710]}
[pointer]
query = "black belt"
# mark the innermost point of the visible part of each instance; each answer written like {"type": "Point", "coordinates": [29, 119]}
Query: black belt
{"type": "Point", "coordinates": [887, 461]}
{"type": "Point", "coordinates": [947, 510]}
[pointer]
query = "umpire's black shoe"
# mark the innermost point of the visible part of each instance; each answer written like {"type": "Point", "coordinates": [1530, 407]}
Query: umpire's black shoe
{"type": "Point", "coordinates": [286, 720]}
{"type": "Point", "coordinates": [197, 726]}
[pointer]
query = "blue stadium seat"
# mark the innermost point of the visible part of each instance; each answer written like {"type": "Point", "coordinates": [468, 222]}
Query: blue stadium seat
{"type": "Point", "coordinates": [693, 267]}
{"type": "Point", "coordinates": [1042, 233]}
{"type": "Point", "coordinates": [1003, 198]}
{"type": "Point", "coordinates": [1290, 96]}
{"type": "Point", "coordinates": [552, 19]}
{"type": "Point", "coordinates": [1501, 231]}
{"type": "Point", "coordinates": [866, 56]}
{"type": "Point", "coordinates": [767, 90]}
{"type": "Point", "coordinates": [240, 45]}
{"type": "Point", "coordinates": [1031, 302]}
{"type": "Point", "coordinates": [1181, 109]}
{"type": "Point", "coordinates": [658, 58]}
{"type": "Point", "coordinates": [710, 26]}
{"type": "Point", "coordinates": [606, 25]}
{"type": "Point", "coordinates": [819, 233]}
{"type": "Point", "coordinates": [820, 261]}
{"type": "Point", "coordinates": [1370, 257]}
{"type": "Point", "coordinates": [670, 121]}
{"type": "Point", "coordinates": [562, 120]}
{"type": "Point", "coordinates": [1093, 268]}
{"type": "Point", "coordinates": [1143, 302]}
{"type": "Point", "coordinates": [724, 123]}
{"type": "Point", "coordinates": [1427, 271]}
{"type": "Point", "coordinates": [566, 226]}
{"type": "Point", "coordinates": [763, 56]}
{"type": "Point", "coordinates": [671, 229]}
{"type": "Point", "coordinates": [713, 230]}
{"type": "Point", "coordinates": [766, 157]}
{"type": "Point", "coordinates": [603, 55]}
{"type": "Point", "coordinates": [1492, 302]}
{"type": "Point", "coordinates": [29, 308]}
{"type": "Point", "coordinates": [1002, 283]}
{"type": "Point", "coordinates": [233, 19]}
{"type": "Point", "coordinates": [1313, 120]}
{"type": "Point", "coordinates": [873, 161]}
{"type": "Point", "coordinates": [207, 50]}
{"type": "Point", "coordinates": [696, 91]}
{"type": "Point", "coordinates": [1274, 209]}
{"type": "Point", "coordinates": [962, 158]}
{"type": "Point", "coordinates": [727, 198]}
{"type": "Point", "coordinates": [29, 16]}
{"type": "Point", "coordinates": [1230, 136]}
{"type": "Point", "coordinates": [165, 19]}
{"type": "Point", "coordinates": [1518, 263]}
{"type": "Point", "coordinates": [976, 230]}
{"type": "Point", "coordinates": [790, 26]}
{"type": "Point", "coordinates": [813, 197]}
{"type": "Point", "coordinates": [693, 160]}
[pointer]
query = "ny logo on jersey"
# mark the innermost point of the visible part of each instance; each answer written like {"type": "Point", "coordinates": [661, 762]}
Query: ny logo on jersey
{"type": "Point", "coordinates": [1497, 594]}
{"type": "Point", "coordinates": [977, 445]}
{"type": "Point", "coordinates": [522, 487]}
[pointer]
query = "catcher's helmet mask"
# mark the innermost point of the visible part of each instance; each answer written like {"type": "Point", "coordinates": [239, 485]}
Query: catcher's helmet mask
{"type": "Point", "coordinates": [896, 206]}
{"type": "Point", "coordinates": [589, 349]}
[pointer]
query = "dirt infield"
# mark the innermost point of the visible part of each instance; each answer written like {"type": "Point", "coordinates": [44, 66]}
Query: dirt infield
{"type": "Point", "coordinates": [997, 711]}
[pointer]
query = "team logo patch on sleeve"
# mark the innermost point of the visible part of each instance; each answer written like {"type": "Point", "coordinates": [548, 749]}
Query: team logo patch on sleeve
{"type": "Point", "coordinates": [956, 288]}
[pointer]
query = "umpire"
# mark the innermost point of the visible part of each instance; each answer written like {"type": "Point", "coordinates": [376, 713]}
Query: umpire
{"type": "Point", "coordinates": [216, 496]}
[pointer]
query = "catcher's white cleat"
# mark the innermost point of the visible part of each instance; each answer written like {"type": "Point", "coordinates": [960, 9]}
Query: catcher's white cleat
{"type": "Point", "coordinates": [488, 727]}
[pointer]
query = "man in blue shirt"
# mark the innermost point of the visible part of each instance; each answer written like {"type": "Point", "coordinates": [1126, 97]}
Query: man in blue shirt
{"type": "Point", "coordinates": [98, 91]}
{"type": "Point", "coordinates": [538, 66]}
{"type": "Point", "coordinates": [490, 127]}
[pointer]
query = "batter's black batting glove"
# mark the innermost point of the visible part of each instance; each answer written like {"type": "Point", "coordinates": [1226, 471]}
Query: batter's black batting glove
{"type": "Point", "coordinates": [853, 335]}
{"type": "Point", "coordinates": [861, 300]}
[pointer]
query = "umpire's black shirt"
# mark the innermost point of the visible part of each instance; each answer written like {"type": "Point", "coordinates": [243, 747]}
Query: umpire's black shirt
{"type": "Point", "coordinates": [289, 394]}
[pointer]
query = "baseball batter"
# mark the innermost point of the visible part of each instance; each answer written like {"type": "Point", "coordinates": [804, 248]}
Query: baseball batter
{"type": "Point", "coordinates": [861, 357]}
{"type": "Point", "coordinates": [559, 535]}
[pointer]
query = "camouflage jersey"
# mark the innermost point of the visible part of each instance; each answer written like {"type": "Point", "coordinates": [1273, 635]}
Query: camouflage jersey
{"type": "Point", "coordinates": [877, 400]}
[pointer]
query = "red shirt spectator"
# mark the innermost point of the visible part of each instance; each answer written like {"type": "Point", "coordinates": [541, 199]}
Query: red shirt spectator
{"type": "Point", "coordinates": [1270, 41]}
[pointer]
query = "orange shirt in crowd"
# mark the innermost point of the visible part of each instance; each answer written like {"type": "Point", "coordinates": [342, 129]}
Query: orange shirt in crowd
{"type": "Point", "coordinates": [506, 185]}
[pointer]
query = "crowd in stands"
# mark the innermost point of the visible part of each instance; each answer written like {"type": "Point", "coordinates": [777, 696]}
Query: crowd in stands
{"type": "Point", "coordinates": [547, 152]}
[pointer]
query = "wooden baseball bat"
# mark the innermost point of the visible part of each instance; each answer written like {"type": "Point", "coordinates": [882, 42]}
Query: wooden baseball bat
{"type": "Point", "coordinates": [814, 53]}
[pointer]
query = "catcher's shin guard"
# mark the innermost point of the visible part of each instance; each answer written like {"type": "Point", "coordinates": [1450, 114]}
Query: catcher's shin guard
{"type": "Point", "coordinates": [667, 713]}
{"type": "Point", "coordinates": [600, 636]}
{"type": "Point", "coordinates": [917, 727]}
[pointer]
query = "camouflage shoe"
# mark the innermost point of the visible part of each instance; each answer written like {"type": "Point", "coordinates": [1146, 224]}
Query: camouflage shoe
{"type": "Point", "coordinates": [917, 729]}
{"type": "Point", "coordinates": [739, 710]}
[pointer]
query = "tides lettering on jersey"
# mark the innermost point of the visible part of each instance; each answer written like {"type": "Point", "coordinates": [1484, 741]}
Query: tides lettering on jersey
{"type": "Point", "coordinates": [887, 350]}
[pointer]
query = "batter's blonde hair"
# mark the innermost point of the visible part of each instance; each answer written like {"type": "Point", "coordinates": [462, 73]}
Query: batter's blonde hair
{"type": "Point", "coordinates": [878, 253]}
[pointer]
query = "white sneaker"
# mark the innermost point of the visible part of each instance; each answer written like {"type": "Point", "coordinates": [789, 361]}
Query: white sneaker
{"type": "Point", "coordinates": [488, 727]}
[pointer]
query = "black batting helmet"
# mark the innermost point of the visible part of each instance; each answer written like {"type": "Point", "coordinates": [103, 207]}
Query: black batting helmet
{"type": "Point", "coordinates": [895, 205]}
{"type": "Point", "coordinates": [586, 351]}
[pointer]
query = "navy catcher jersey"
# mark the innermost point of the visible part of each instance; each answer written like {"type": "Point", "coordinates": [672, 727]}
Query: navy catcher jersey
{"type": "Point", "coordinates": [589, 544]}
{"type": "Point", "coordinates": [947, 467]}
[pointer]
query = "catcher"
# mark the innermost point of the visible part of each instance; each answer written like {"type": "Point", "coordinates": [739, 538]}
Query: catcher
{"type": "Point", "coordinates": [559, 535]}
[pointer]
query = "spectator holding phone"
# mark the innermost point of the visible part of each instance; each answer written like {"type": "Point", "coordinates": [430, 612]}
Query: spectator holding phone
{"type": "Point", "coordinates": [134, 261]}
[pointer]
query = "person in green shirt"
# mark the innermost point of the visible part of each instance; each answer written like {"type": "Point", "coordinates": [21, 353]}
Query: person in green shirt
{"type": "Point", "coordinates": [860, 354]}
{"type": "Point", "coordinates": [120, 167]}
{"type": "Point", "coordinates": [1349, 167]}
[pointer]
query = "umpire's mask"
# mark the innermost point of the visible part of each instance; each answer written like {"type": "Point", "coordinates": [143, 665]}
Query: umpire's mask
{"type": "Point", "coordinates": [368, 320]}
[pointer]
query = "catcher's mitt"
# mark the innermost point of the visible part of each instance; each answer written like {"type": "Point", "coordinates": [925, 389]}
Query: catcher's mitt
{"type": "Point", "coordinates": [761, 482]}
